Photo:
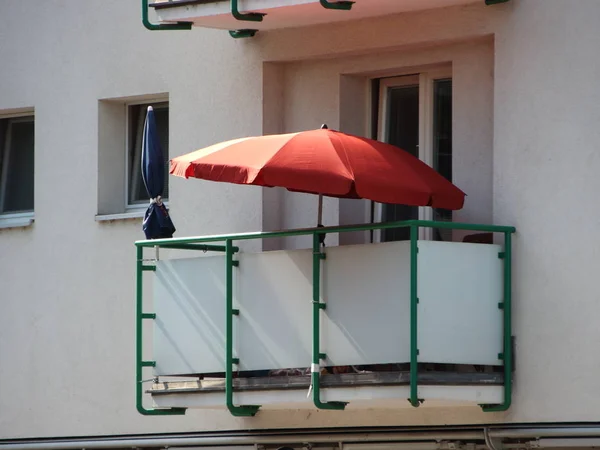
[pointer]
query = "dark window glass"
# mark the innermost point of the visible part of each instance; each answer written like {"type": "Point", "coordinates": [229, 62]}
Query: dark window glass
{"type": "Point", "coordinates": [16, 164]}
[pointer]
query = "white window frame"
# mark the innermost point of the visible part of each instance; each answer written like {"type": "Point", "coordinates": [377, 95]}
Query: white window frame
{"type": "Point", "coordinates": [425, 80]}
{"type": "Point", "coordinates": [15, 218]}
{"type": "Point", "coordinates": [132, 207]}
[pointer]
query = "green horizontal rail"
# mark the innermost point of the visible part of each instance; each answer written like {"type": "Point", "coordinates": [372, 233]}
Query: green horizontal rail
{"type": "Point", "coordinates": [199, 247]}
{"type": "Point", "coordinates": [326, 230]}
{"type": "Point", "coordinates": [198, 243]}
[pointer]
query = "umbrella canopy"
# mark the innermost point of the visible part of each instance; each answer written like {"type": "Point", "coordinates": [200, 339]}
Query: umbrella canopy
{"type": "Point", "coordinates": [157, 222]}
{"type": "Point", "coordinates": [323, 162]}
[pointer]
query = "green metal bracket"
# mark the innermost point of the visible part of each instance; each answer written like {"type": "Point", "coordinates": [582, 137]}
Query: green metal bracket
{"type": "Point", "coordinates": [153, 27]}
{"type": "Point", "coordinates": [139, 339]}
{"type": "Point", "coordinates": [241, 34]}
{"type": "Point", "coordinates": [242, 410]}
{"type": "Point", "coordinates": [414, 301]}
{"type": "Point", "coordinates": [249, 17]}
{"type": "Point", "coordinates": [317, 355]}
{"type": "Point", "coordinates": [341, 5]}
{"type": "Point", "coordinates": [494, 2]}
{"type": "Point", "coordinates": [507, 354]}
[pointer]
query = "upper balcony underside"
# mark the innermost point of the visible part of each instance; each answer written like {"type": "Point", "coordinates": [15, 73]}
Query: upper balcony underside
{"type": "Point", "coordinates": [284, 13]}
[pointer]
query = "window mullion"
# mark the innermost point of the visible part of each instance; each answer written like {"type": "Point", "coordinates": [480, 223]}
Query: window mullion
{"type": "Point", "coordinates": [425, 140]}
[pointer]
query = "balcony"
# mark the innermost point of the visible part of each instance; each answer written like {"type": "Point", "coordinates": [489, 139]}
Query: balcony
{"type": "Point", "coordinates": [278, 14]}
{"type": "Point", "coordinates": [327, 327]}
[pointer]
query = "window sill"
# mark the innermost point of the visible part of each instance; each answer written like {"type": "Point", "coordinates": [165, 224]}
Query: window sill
{"type": "Point", "coordinates": [17, 221]}
{"type": "Point", "coordinates": [129, 215]}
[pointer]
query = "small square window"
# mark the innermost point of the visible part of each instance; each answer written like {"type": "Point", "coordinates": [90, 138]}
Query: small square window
{"type": "Point", "coordinates": [136, 116]}
{"type": "Point", "coordinates": [16, 164]}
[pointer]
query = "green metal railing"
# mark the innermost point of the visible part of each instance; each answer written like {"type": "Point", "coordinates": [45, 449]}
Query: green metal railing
{"type": "Point", "coordinates": [202, 243]}
{"type": "Point", "coordinates": [163, 27]}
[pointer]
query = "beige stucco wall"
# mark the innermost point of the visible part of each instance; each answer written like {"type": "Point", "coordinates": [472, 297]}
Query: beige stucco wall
{"type": "Point", "coordinates": [67, 282]}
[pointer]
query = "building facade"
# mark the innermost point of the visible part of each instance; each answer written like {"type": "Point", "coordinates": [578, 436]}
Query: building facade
{"type": "Point", "coordinates": [502, 98]}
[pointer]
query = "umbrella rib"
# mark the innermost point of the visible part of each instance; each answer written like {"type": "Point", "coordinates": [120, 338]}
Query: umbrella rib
{"type": "Point", "coordinates": [259, 172]}
{"type": "Point", "coordinates": [292, 136]}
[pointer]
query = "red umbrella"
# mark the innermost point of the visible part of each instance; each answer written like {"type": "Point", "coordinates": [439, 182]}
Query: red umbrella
{"type": "Point", "coordinates": [324, 162]}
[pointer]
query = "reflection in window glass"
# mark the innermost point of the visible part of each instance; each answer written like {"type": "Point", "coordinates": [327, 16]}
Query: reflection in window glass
{"type": "Point", "coordinates": [403, 132]}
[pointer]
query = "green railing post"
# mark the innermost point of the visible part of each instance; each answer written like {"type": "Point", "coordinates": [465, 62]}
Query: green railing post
{"type": "Point", "coordinates": [242, 410]}
{"type": "Point", "coordinates": [507, 355]}
{"type": "Point", "coordinates": [414, 301]}
{"type": "Point", "coordinates": [317, 356]}
{"type": "Point", "coordinates": [139, 340]}
{"type": "Point", "coordinates": [241, 34]}
{"type": "Point", "coordinates": [249, 17]}
{"type": "Point", "coordinates": [153, 27]}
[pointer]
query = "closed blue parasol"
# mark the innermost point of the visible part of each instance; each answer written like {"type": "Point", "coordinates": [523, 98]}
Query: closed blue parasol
{"type": "Point", "coordinates": [157, 223]}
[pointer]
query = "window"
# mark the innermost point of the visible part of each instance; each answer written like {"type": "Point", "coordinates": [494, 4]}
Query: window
{"type": "Point", "coordinates": [16, 165]}
{"type": "Point", "coordinates": [136, 116]}
{"type": "Point", "coordinates": [415, 114]}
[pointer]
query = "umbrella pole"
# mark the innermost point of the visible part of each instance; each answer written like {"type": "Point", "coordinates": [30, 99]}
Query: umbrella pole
{"type": "Point", "coordinates": [320, 219]}
{"type": "Point", "coordinates": [320, 211]}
